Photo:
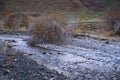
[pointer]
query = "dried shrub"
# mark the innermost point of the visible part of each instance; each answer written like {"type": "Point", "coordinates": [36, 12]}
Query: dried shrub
{"type": "Point", "coordinates": [113, 20]}
{"type": "Point", "coordinates": [48, 29]}
{"type": "Point", "coordinates": [15, 21]}
{"type": "Point", "coordinates": [110, 34]}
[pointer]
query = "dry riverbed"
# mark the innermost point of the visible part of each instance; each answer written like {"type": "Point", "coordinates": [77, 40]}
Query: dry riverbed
{"type": "Point", "coordinates": [82, 58]}
{"type": "Point", "coordinates": [15, 65]}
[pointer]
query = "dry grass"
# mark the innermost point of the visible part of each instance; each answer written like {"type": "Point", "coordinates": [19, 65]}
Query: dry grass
{"type": "Point", "coordinates": [112, 16]}
{"type": "Point", "coordinates": [50, 28]}
{"type": "Point", "coordinates": [109, 34]}
{"type": "Point", "coordinates": [15, 21]}
{"type": "Point", "coordinates": [90, 28]}
{"type": "Point", "coordinates": [85, 27]}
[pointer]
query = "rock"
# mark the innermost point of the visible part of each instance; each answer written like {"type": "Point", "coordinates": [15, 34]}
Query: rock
{"type": "Point", "coordinates": [107, 42]}
{"type": "Point", "coordinates": [44, 53]}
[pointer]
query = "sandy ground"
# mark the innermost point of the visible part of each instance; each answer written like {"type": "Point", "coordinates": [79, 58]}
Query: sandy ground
{"type": "Point", "coordinates": [83, 58]}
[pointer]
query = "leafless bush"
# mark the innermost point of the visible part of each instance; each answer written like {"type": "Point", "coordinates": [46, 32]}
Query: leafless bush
{"type": "Point", "coordinates": [49, 29]}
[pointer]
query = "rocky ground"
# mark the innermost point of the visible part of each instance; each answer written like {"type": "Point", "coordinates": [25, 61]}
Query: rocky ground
{"type": "Point", "coordinates": [82, 58]}
{"type": "Point", "coordinates": [14, 65]}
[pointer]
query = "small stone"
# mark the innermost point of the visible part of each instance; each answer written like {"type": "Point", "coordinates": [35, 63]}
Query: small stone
{"type": "Point", "coordinates": [13, 41]}
{"type": "Point", "coordinates": [9, 46]}
{"type": "Point", "coordinates": [45, 78]}
{"type": "Point", "coordinates": [52, 78]}
{"type": "Point", "coordinates": [59, 53]}
{"type": "Point", "coordinates": [44, 53]}
{"type": "Point", "coordinates": [30, 54]}
{"type": "Point", "coordinates": [6, 72]}
{"type": "Point", "coordinates": [75, 36]}
{"type": "Point", "coordinates": [107, 42]}
{"type": "Point", "coordinates": [50, 53]}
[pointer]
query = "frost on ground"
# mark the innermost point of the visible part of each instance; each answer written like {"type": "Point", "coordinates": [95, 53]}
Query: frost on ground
{"type": "Point", "coordinates": [83, 58]}
{"type": "Point", "coordinates": [14, 65]}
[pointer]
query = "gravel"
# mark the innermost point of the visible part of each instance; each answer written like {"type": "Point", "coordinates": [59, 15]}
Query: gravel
{"type": "Point", "coordinates": [85, 58]}
{"type": "Point", "coordinates": [14, 65]}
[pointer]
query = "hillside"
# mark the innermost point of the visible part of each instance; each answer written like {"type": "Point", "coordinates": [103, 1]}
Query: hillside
{"type": "Point", "coordinates": [43, 5]}
{"type": "Point", "coordinates": [40, 5]}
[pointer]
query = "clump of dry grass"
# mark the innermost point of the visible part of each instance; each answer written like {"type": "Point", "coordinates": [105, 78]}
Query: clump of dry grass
{"type": "Point", "coordinates": [109, 34]}
{"type": "Point", "coordinates": [49, 29]}
{"type": "Point", "coordinates": [15, 21]}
